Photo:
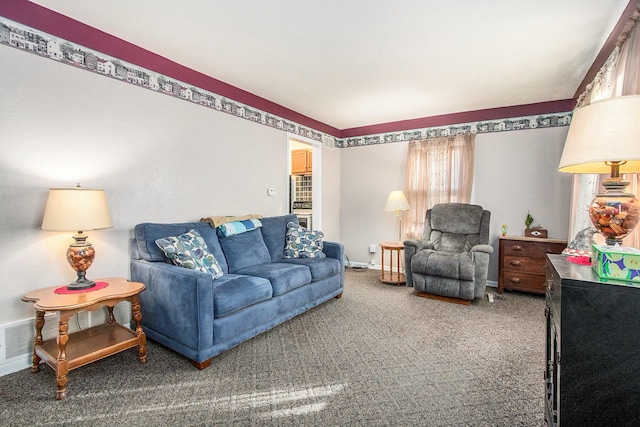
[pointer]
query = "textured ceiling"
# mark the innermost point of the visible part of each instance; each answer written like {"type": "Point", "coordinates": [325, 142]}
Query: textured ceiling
{"type": "Point", "coordinates": [361, 62]}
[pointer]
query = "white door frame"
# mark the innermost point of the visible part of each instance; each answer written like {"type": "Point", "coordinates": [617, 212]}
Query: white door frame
{"type": "Point", "coordinates": [316, 185]}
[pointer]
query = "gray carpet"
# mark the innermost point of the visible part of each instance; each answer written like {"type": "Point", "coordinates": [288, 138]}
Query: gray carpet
{"type": "Point", "coordinates": [380, 356]}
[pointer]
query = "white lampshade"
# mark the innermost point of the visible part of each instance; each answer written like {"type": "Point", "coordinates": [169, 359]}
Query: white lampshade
{"type": "Point", "coordinates": [603, 131]}
{"type": "Point", "coordinates": [76, 209]}
{"type": "Point", "coordinates": [397, 202]}
{"type": "Point", "coordinates": [604, 136]}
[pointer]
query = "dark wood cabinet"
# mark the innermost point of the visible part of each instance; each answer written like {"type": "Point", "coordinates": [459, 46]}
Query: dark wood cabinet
{"type": "Point", "coordinates": [592, 373]}
{"type": "Point", "coordinates": [522, 262]}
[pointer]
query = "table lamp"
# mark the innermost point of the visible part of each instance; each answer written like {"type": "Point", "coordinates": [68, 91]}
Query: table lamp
{"type": "Point", "coordinates": [603, 137]}
{"type": "Point", "coordinates": [397, 202]}
{"type": "Point", "coordinates": [77, 209]}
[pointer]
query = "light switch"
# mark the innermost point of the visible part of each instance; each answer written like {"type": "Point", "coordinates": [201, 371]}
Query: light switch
{"type": "Point", "coordinates": [271, 192]}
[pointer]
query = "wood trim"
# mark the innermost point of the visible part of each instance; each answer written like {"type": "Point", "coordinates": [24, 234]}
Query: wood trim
{"type": "Point", "coordinates": [202, 365]}
{"type": "Point", "coordinates": [442, 298]}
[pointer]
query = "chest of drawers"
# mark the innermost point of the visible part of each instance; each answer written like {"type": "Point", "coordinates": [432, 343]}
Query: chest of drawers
{"type": "Point", "coordinates": [522, 262]}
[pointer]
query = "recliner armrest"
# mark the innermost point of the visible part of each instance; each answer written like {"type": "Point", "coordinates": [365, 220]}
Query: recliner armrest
{"type": "Point", "coordinates": [412, 247]}
{"type": "Point", "coordinates": [482, 248]}
{"type": "Point", "coordinates": [417, 245]}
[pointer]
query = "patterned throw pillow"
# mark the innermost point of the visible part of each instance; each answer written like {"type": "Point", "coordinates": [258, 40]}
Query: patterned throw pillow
{"type": "Point", "coordinates": [302, 243]}
{"type": "Point", "coordinates": [189, 250]}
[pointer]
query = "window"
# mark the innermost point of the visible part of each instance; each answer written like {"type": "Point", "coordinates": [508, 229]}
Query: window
{"type": "Point", "coordinates": [439, 170]}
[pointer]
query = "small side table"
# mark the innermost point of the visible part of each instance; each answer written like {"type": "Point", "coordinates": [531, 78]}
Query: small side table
{"type": "Point", "coordinates": [70, 351]}
{"type": "Point", "coordinates": [390, 276]}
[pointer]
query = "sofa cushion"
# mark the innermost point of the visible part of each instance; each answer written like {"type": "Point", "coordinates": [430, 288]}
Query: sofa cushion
{"type": "Point", "coordinates": [234, 292]}
{"type": "Point", "coordinates": [274, 230]}
{"type": "Point", "coordinates": [244, 250]}
{"type": "Point", "coordinates": [302, 243]}
{"type": "Point", "coordinates": [238, 227]}
{"type": "Point", "coordinates": [320, 268]}
{"type": "Point", "coordinates": [189, 250]}
{"type": "Point", "coordinates": [147, 233]}
{"type": "Point", "coordinates": [283, 277]}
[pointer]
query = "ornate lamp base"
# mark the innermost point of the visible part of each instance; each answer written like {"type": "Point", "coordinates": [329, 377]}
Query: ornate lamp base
{"type": "Point", "coordinates": [614, 212]}
{"type": "Point", "coordinates": [80, 256]}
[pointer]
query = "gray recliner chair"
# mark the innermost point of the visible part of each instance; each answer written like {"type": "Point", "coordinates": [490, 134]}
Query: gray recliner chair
{"type": "Point", "coordinates": [452, 260]}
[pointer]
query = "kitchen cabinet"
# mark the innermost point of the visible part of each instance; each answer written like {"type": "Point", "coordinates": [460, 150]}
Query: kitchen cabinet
{"type": "Point", "coordinates": [301, 162]}
{"type": "Point", "coordinates": [521, 262]}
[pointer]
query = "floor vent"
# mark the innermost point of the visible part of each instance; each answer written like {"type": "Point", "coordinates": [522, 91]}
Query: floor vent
{"type": "Point", "coordinates": [18, 337]}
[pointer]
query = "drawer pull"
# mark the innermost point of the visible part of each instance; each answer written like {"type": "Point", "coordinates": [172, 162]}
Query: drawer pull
{"type": "Point", "coordinates": [514, 280]}
{"type": "Point", "coordinates": [515, 262]}
{"type": "Point", "coordinates": [517, 247]}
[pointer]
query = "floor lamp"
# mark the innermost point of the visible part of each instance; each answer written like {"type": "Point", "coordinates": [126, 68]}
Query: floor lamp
{"type": "Point", "coordinates": [397, 202]}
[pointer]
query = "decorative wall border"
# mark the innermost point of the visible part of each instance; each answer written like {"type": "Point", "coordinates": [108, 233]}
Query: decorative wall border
{"type": "Point", "coordinates": [45, 45]}
{"type": "Point", "coordinates": [487, 126]}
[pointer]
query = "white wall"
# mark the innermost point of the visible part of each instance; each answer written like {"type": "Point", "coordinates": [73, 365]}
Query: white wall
{"type": "Point", "coordinates": [166, 160]}
{"type": "Point", "coordinates": [515, 172]}
{"type": "Point", "coordinates": [330, 194]}
{"type": "Point", "coordinates": [158, 158]}
{"type": "Point", "coordinates": [368, 174]}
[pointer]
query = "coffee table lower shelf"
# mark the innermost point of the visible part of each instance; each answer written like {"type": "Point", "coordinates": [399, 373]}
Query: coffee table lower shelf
{"type": "Point", "coordinates": [89, 345]}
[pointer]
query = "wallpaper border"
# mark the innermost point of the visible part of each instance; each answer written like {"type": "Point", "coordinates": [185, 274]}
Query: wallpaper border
{"type": "Point", "coordinates": [486, 126]}
{"type": "Point", "coordinates": [42, 44]}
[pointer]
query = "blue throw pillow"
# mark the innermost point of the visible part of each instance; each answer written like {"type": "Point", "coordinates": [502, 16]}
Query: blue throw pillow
{"type": "Point", "coordinates": [302, 243]}
{"type": "Point", "coordinates": [189, 250]}
{"type": "Point", "coordinates": [238, 227]}
{"type": "Point", "coordinates": [245, 250]}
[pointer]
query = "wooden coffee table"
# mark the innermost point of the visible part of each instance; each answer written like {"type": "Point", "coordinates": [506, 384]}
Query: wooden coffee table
{"type": "Point", "coordinates": [70, 351]}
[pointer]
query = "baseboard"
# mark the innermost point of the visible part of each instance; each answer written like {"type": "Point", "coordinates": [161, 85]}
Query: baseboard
{"type": "Point", "coordinates": [362, 266]}
{"type": "Point", "coordinates": [15, 364]}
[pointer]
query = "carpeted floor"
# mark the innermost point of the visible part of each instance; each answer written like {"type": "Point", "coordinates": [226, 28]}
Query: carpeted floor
{"type": "Point", "coordinates": [379, 356]}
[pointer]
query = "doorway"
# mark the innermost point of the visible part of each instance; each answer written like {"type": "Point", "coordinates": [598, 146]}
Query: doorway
{"type": "Point", "coordinates": [304, 173]}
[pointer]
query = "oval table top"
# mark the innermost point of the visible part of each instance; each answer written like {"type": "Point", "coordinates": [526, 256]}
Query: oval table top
{"type": "Point", "coordinates": [47, 299]}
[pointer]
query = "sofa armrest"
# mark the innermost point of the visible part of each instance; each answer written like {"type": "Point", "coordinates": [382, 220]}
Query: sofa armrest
{"type": "Point", "coordinates": [335, 250]}
{"type": "Point", "coordinates": [177, 303]}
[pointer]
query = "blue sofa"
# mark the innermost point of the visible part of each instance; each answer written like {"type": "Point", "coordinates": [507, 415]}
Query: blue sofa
{"type": "Point", "coordinates": [200, 317]}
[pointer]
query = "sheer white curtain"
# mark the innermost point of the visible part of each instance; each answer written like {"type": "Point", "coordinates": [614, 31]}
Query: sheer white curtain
{"type": "Point", "coordinates": [585, 186]}
{"type": "Point", "coordinates": [439, 170]}
{"type": "Point", "coordinates": [619, 76]}
{"type": "Point", "coordinates": [627, 82]}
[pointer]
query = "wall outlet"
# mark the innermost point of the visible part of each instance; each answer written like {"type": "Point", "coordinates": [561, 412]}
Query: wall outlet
{"type": "Point", "coordinates": [372, 249]}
